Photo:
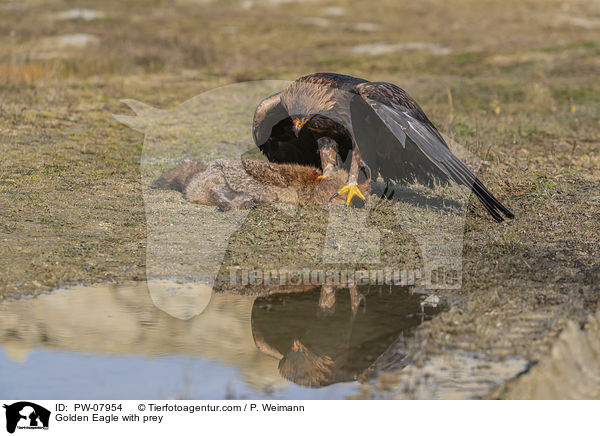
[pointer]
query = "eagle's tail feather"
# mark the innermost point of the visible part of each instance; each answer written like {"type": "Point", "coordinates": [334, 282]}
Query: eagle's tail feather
{"type": "Point", "coordinates": [461, 174]}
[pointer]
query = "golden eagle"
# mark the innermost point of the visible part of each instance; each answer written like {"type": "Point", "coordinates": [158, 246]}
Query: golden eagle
{"type": "Point", "coordinates": [383, 129]}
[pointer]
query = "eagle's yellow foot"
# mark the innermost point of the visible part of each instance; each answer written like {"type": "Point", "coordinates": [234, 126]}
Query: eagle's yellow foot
{"type": "Point", "coordinates": [352, 190]}
{"type": "Point", "coordinates": [324, 176]}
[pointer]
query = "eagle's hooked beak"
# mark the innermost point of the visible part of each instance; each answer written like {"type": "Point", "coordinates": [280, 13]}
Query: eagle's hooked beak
{"type": "Point", "coordinates": [298, 346]}
{"type": "Point", "coordinates": [299, 123]}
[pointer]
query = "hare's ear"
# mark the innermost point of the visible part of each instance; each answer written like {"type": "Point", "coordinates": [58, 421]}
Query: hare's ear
{"type": "Point", "coordinates": [264, 172]}
{"type": "Point", "coordinates": [145, 115]}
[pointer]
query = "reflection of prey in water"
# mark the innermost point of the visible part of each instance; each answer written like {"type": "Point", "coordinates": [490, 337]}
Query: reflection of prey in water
{"type": "Point", "coordinates": [325, 335]}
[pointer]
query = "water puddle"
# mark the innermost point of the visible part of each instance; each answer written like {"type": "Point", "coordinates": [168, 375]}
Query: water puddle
{"type": "Point", "coordinates": [121, 341]}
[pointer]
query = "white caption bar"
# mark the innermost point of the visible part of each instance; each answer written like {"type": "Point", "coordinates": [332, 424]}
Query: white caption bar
{"type": "Point", "coordinates": [298, 417]}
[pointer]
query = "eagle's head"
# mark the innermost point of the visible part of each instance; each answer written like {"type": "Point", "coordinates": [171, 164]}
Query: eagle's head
{"type": "Point", "coordinates": [306, 368]}
{"type": "Point", "coordinates": [303, 100]}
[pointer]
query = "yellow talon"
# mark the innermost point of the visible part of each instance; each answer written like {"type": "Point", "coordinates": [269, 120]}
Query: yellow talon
{"type": "Point", "coordinates": [324, 176]}
{"type": "Point", "coordinates": [352, 190]}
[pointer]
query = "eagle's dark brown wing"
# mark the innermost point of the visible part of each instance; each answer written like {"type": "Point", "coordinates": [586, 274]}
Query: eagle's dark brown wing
{"type": "Point", "coordinates": [411, 127]}
{"type": "Point", "coordinates": [269, 112]}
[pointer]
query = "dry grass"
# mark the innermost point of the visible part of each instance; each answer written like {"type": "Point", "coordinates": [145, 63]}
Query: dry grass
{"type": "Point", "coordinates": [516, 83]}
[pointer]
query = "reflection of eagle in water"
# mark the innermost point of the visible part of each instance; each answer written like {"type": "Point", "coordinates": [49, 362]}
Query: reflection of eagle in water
{"type": "Point", "coordinates": [318, 348]}
{"type": "Point", "coordinates": [378, 123]}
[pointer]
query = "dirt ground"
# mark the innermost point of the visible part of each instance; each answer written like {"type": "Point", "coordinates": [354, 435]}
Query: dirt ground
{"type": "Point", "coordinates": [515, 82]}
